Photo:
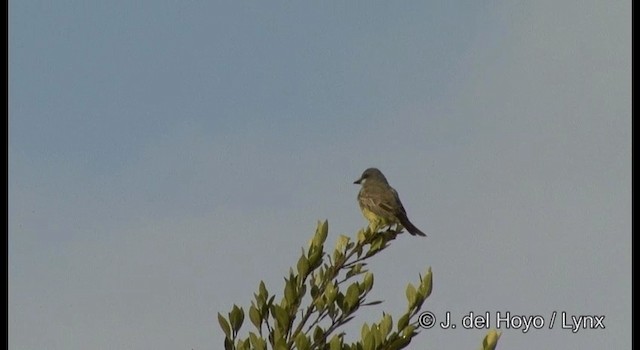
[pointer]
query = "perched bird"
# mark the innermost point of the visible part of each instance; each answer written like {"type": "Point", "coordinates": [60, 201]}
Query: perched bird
{"type": "Point", "coordinates": [380, 203]}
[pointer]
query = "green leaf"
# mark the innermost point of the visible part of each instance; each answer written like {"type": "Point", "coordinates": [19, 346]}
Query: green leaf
{"type": "Point", "coordinates": [243, 344]}
{"type": "Point", "coordinates": [338, 256]}
{"type": "Point", "coordinates": [342, 242]}
{"type": "Point", "coordinates": [301, 292]}
{"type": "Point", "coordinates": [332, 311]}
{"type": "Point", "coordinates": [290, 292]}
{"type": "Point", "coordinates": [352, 296]}
{"type": "Point", "coordinates": [377, 335]}
{"type": "Point", "coordinates": [314, 290]}
{"type": "Point", "coordinates": [318, 333]}
{"type": "Point", "coordinates": [340, 302]}
{"type": "Point", "coordinates": [358, 250]}
{"type": "Point", "coordinates": [403, 322]}
{"type": "Point", "coordinates": [354, 270]}
{"type": "Point", "coordinates": [364, 331]}
{"type": "Point", "coordinates": [376, 244]}
{"type": "Point", "coordinates": [262, 291]}
{"type": "Point", "coordinates": [367, 283]}
{"type": "Point", "coordinates": [282, 317]}
{"type": "Point", "coordinates": [302, 342]}
{"type": "Point", "coordinates": [386, 324]}
{"type": "Point", "coordinates": [264, 310]}
{"type": "Point", "coordinates": [320, 303]}
{"type": "Point", "coordinates": [426, 285]}
{"type": "Point", "coordinates": [255, 317]}
{"type": "Point", "coordinates": [321, 234]}
{"type": "Point", "coordinates": [318, 276]}
{"type": "Point", "coordinates": [491, 340]}
{"type": "Point", "coordinates": [408, 331]}
{"type": "Point", "coordinates": [236, 317]}
{"type": "Point", "coordinates": [315, 256]}
{"type": "Point", "coordinates": [303, 268]}
{"type": "Point", "coordinates": [399, 343]}
{"type": "Point", "coordinates": [368, 343]}
{"type": "Point", "coordinates": [331, 291]}
{"type": "Point", "coordinates": [224, 325]}
{"type": "Point", "coordinates": [257, 342]}
{"type": "Point", "coordinates": [335, 343]}
{"type": "Point", "coordinates": [276, 337]}
{"type": "Point", "coordinates": [279, 342]}
{"type": "Point", "coordinates": [411, 295]}
{"type": "Point", "coordinates": [325, 230]}
{"type": "Point", "coordinates": [361, 236]}
{"type": "Point", "coordinates": [228, 344]}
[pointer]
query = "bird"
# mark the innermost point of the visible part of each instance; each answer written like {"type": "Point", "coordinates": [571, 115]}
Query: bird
{"type": "Point", "coordinates": [380, 203]}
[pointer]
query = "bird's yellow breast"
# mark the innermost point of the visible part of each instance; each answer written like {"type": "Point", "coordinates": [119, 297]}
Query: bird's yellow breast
{"type": "Point", "coordinates": [377, 219]}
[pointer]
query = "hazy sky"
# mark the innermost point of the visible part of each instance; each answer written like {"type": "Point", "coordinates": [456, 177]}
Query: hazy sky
{"type": "Point", "coordinates": [166, 156]}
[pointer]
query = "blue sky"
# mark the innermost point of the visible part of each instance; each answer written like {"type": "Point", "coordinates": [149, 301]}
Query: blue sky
{"type": "Point", "coordinates": [164, 157]}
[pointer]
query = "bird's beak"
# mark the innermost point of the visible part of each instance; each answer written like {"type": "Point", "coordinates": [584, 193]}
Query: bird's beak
{"type": "Point", "coordinates": [358, 181]}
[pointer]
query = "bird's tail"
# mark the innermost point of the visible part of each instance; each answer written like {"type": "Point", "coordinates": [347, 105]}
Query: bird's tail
{"type": "Point", "coordinates": [411, 228]}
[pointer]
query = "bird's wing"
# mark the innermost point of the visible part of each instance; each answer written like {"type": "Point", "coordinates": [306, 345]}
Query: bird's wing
{"type": "Point", "coordinates": [381, 199]}
{"type": "Point", "coordinates": [401, 214]}
{"type": "Point", "coordinates": [399, 206]}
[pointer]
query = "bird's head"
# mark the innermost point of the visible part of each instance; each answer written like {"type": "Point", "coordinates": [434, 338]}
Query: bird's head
{"type": "Point", "coordinates": [371, 174]}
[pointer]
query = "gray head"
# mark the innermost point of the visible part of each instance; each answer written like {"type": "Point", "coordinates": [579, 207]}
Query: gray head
{"type": "Point", "coordinates": [371, 174]}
